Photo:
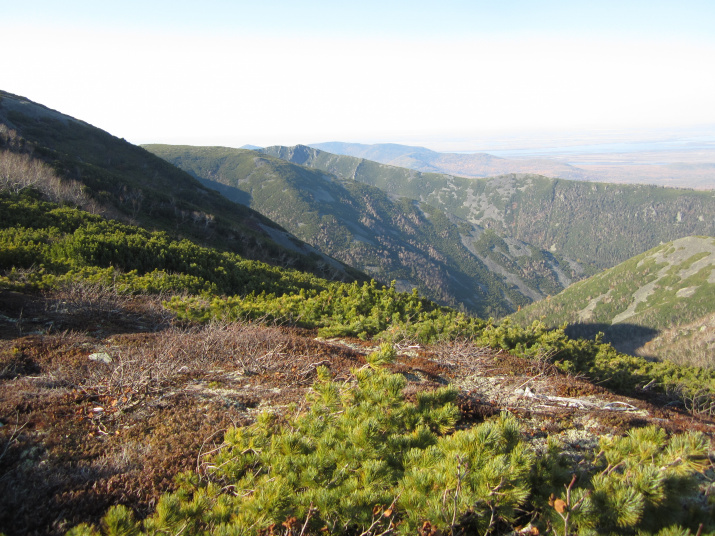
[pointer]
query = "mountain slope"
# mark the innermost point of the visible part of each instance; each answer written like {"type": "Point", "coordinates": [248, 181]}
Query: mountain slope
{"type": "Point", "coordinates": [127, 182]}
{"type": "Point", "coordinates": [114, 381]}
{"type": "Point", "coordinates": [389, 237]}
{"type": "Point", "coordinates": [597, 223]}
{"type": "Point", "coordinates": [653, 305]}
{"type": "Point", "coordinates": [464, 165]}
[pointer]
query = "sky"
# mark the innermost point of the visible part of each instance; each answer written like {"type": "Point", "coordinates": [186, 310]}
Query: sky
{"type": "Point", "coordinates": [269, 72]}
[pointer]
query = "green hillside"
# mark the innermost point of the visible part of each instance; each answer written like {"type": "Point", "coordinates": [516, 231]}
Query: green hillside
{"type": "Point", "coordinates": [43, 245]}
{"type": "Point", "coordinates": [87, 166]}
{"type": "Point", "coordinates": [642, 303]}
{"type": "Point", "coordinates": [110, 416]}
{"type": "Point", "coordinates": [599, 224]}
{"type": "Point", "coordinates": [386, 236]}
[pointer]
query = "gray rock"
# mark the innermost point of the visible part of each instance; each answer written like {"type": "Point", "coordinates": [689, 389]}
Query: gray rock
{"type": "Point", "coordinates": [101, 356]}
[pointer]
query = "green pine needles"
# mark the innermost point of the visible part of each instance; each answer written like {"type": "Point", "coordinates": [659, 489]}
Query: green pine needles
{"type": "Point", "coordinates": [639, 483]}
{"type": "Point", "coordinates": [363, 460]}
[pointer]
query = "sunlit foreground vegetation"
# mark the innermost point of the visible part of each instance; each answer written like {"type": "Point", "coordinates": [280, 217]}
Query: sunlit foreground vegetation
{"type": "Point", "coordinates": [357, 457]}
{"type": "Point", "coordinates": [362, 460]}
{"type": "Point", "coordinates": [45, 246]}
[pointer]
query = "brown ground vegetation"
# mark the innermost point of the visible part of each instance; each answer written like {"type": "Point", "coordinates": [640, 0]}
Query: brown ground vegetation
{"type": "Point", "coordinates": [104, 399]}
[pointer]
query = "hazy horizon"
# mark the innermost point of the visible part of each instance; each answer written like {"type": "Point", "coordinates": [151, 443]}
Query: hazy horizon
{"type": "Point", "coordinates": [536, 140]}
{"type": "Point", "coordinates": [446, 76]}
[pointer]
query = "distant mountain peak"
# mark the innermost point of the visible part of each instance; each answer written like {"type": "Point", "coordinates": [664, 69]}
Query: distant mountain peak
{"type": "Point", "coordinates": [476, 165]}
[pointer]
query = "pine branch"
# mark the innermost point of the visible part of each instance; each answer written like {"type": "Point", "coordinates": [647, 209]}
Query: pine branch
{"type": "Point", "coordinates": [311, 510]}
{"type": "Point", "coordinates": [457, 491]}
{"type": "Point", "coordinates": [377, 515]}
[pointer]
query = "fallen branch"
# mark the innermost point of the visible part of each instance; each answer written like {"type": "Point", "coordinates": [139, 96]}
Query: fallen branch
{"type": "Point", "coordinates": [576, 402]}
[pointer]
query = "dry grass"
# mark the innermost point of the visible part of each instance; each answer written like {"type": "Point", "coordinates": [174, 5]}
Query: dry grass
{"type": "Point", "coordinates": [88, 298]}
{"type": "Point", "coordinates": [692, 344]}
{"type": "Point", "coordinates": [82, 304]}
{"type": "Point", "coordinates": [80, 434]}
{"type": "Point", "coordinates": [150, 364]}
{"type": "Point", "coordinates": [461, 352]}
{"type": "Point", "coordinates": [20, 170]}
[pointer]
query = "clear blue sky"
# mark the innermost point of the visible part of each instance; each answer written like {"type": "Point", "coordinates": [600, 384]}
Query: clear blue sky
{"type": "Point", "coordinates": [652, 18]}
{"type": "Point", "coordinates": [264, 72]}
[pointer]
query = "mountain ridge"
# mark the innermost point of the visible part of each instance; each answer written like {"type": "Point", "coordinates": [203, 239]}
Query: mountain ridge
{"type": "Point", "coordinates": [130, 183]}
{"type": "Point", "coordinates": [389, 236]}
{"type": "Point", "coordinates": [628, 168]}
{"type": "Point", "coordinates": [601, 224]}
{"type": "Point", "coordinates": [477, 165]}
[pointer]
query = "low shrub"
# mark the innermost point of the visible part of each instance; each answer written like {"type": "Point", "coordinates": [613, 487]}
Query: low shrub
{"type": "Point", "coordinates": [362, 460]}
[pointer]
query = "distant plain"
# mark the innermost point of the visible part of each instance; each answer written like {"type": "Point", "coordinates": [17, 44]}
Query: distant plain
{"type": "Point", "coordinates": [681, 158]}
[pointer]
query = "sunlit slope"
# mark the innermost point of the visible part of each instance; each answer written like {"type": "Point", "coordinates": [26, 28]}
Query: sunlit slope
{"type": "Point", "coordinates": [659, 304]}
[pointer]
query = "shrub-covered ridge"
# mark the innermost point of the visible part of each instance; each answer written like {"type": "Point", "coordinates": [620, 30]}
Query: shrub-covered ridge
{"type": "Point", "coordinates": [43, 244]}
{"type": "Point", "coordinates": [46, 246]}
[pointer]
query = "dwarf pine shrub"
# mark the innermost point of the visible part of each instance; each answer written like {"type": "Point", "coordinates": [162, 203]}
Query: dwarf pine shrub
{"type": "Point", "coordinates": [642, 481]}
{"type": "Point", "coordinates": [363, 460]}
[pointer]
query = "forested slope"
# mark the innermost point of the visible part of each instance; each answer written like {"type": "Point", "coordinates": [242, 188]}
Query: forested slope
{"type": "Point", "coordinates": [597, 223]}
{"type": "Point", "coordinates": [89, 166]}
{"type": "Point", "coordinates": [659, 304]}
{"type": "Point", "coordinates": [389, 237]}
